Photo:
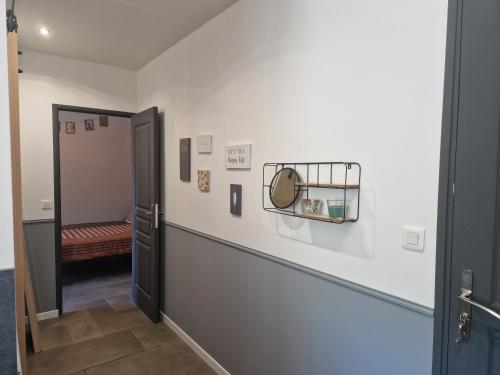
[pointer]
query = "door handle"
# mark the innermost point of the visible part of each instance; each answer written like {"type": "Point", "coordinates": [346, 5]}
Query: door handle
{"type": "Point", "coordinates": [157, 213]}
{"type": "Point", "coordinates": [467, 298]}
{"type": "Point", "coordinates": [465, 308]}
{"type": "Point", "coordinates": [156, 218]}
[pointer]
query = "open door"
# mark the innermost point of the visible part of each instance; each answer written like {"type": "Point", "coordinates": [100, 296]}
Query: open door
{"type": "Point", "coordinates": [145, 206]}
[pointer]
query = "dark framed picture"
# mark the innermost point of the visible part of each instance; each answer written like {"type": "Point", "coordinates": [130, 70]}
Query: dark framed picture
{"type": "Point", "coordinates": [103, 121]}
{"type": "Point", "coordinates": [70, 127]}
{"type": "Point", "coordinates": [235, 199]}
{"type": "Point", "coordinates": [89, 125]}
{"type": "Point", "coordinates": [185, 159]}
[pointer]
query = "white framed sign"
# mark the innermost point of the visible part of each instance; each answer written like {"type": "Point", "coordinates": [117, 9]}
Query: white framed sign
{"type": "Point", "coordinates": [238, 157]}
{"type": "Point", "coordinates": [204, 144]}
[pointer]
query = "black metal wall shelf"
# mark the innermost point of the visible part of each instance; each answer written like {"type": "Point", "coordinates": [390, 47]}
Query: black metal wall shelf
{"type": "Point", "coordinates": [316, 179]}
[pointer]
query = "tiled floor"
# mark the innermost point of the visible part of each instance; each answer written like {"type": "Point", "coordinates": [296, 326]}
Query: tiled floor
{"type": "Point", "coordinates": [102, 332]}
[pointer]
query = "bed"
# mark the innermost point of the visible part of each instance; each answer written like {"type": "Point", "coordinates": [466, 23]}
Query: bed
{"type": "Point", "coordinates": [95, 240]}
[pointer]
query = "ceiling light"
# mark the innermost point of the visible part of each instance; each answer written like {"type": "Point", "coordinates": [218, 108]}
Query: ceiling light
{"type": "Point", "coordinates": [44, 31]}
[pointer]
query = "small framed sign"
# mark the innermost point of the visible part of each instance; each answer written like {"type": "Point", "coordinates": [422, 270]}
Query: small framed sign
{"type": "Point", "coordinates": [204, 144]}
{"type": "Point", "coordinates": [238, 157]}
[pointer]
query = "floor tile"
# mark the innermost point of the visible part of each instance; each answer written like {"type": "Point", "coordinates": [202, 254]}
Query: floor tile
{"type": "Point", "coordinates": [81, 330]}
{"type": "Point", "coordinates": [122, 320]}
{"type": "Point", "coordinates": [55, 335]}
{"type": "Point", "coordinates": [121, 302]}
{"type": "Point", "coordinates": [91, 294]}
{"type": "Point", "coordinates": [176, 359]}
{"type": "Point", "coordinates": [151, 335]}
{"type": "Point", "coordinates": [94, 307]}
{"type": "Point", "coordinates": [77, 357]}
{"type": "Point", "coordinates": [205, 370]}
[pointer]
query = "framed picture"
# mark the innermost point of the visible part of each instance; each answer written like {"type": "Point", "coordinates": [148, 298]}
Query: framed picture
{"type": "Point", "coordinates": [70, 127]}
{"type": "Point", "coordinates": [204, 180]}
{"type": "Point", "coordinates": [185, 159]}
{"type": "Point", "coordinates": [204, 144]}
{"type": "Point", "coordinates": [103, 121]}
{"type": "Point", "coordinates": [235, 198]}
{"type": "Point", "coordinates": [89, 125]}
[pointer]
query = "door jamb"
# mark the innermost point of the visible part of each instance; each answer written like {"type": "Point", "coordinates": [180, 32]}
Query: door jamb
{"type": "Point", "coordinates": [443, 294]}
{"type": "Point", "coordinates": [57, 181]}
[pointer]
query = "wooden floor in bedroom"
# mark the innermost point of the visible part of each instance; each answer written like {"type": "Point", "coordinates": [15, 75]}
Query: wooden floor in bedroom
{"type": "Point", "coordinates": [102, 332]}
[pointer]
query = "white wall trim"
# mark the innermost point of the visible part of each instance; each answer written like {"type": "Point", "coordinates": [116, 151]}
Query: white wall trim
{"type": "Point", "coordinates": [47, 315]}
{"type": "Point", "coordinates": [214, 365]}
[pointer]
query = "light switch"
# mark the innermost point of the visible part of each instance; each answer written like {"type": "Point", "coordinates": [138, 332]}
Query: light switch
{"type": "Point", "coordinates": [413, 238]}
{"type": "Point", "coordinates": [46, 204]}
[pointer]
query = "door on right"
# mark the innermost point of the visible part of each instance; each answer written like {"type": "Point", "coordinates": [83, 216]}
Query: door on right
{"type": "Point", "coordinates": [473, 342]}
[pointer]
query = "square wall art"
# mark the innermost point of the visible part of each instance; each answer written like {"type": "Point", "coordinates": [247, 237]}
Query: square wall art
{"type": "Point", "coordinates": [204, 144]}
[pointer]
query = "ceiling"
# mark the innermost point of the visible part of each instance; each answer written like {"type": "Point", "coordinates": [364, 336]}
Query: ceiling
{"type": "Point", "coordinates": [123, 33]}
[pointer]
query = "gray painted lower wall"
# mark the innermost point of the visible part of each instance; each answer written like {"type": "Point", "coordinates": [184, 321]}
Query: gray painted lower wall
{"type": "Point", "coordinates": [258, 315]}
{"type": "Point", "coordinates": [8, 352]}
{"type": "Point", "coordinates": [40, 244]}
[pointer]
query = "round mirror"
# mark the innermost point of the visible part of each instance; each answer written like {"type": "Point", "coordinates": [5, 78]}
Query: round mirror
{"type": "Point", "coordinates": [284, 192]}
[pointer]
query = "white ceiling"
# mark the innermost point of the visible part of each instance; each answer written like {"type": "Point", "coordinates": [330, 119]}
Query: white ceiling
{"type": "Point", "coordinates": [123, 33]}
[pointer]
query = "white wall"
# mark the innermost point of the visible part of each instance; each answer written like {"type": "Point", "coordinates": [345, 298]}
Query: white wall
{"type": "Point", "coordinates": [6, 230]}
{"type": "Point", "coordinates": [48, 80]}
{"type": "Point", "coordinates": [96, 170]}
{"type": "Point", "coordinates": [313, 80]}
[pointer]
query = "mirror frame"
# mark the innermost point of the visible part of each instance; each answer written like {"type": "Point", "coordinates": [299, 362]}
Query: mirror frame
{"type": "Point", "coordinates": [271, 187]}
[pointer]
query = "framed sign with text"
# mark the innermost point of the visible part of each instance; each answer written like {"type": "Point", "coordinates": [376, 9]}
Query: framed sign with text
{"type": "Point", "coordinates": [238, 157]}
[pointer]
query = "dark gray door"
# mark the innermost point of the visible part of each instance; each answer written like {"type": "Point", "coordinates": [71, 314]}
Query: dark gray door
{"type": "Point", "coordinates": [476, 215]}
{"type": "Point", "coordinates": [146, 199]}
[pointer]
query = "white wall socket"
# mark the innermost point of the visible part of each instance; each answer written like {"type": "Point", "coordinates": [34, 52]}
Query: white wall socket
{"type": "Point", "coordinates": [413, 238]}
{"type": "Point", "coordinates": [46, 204]}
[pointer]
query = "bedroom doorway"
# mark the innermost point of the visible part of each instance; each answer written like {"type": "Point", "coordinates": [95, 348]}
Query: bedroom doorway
{"type": "Point", "coordinates": [93, 208]}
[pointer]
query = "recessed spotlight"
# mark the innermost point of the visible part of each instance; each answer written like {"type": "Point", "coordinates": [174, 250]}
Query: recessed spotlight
{"type": "Point", "coordinates": [44, 31]}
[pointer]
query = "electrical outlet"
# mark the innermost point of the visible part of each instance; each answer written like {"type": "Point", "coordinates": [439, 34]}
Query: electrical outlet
{"type": "Point", "coordinates": [413, 238]}
{"type": "Point", "coordinates": [46, 204]}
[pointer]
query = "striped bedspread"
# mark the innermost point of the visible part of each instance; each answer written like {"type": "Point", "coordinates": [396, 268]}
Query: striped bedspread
{"type": "Point", "coordinates": [95, 240]}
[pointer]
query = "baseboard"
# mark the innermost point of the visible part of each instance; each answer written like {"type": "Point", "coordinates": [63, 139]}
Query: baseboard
{"type": "Point", "coordinates": [47, 315]}
{"type": "Point", "coordinates": [214, 365]}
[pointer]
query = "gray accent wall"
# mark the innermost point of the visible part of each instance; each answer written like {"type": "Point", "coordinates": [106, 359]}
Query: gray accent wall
{"type": "Point", "coordinates": [256, 314]}
{"type": "Point", "coordinates": [8, 352]}
{"type": "Point", "coordinates": [39, 237]}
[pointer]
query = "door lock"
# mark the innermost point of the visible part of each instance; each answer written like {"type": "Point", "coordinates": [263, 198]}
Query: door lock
{"type": "Point", "coordinates": [464, 317]}
{"type": "Point", "coordinates": [463, 327]}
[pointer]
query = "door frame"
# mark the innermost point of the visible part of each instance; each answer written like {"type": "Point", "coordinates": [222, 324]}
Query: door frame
{"type": "Point", "coordinates": [56, 108]}
{"type": "Point", "coordinates": [443, 293]}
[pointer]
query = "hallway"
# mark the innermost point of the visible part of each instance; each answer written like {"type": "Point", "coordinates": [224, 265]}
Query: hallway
{"type": "Point", "coordinates": [108, 335]}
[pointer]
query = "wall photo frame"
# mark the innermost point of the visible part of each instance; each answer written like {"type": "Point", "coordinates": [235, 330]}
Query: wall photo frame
{"type": "Point", "coordinates": [70, 127]}
{"type": "Point", "coordinates": [89, 125]}
{"type": "Point", "coordinates": [185, 159]}
{"type": "Point", "coordinates": [103, 121]}
{"type": "Point", "coordinates": [235, 198]}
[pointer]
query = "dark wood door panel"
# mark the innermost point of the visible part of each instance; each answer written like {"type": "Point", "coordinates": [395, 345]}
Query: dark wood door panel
{"type": "Point", "coordinates": [142, 162]}
{"type": "Point", "coordinates": [146, 239]}
{"type": "Point", "coordinates": [143, 267]}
